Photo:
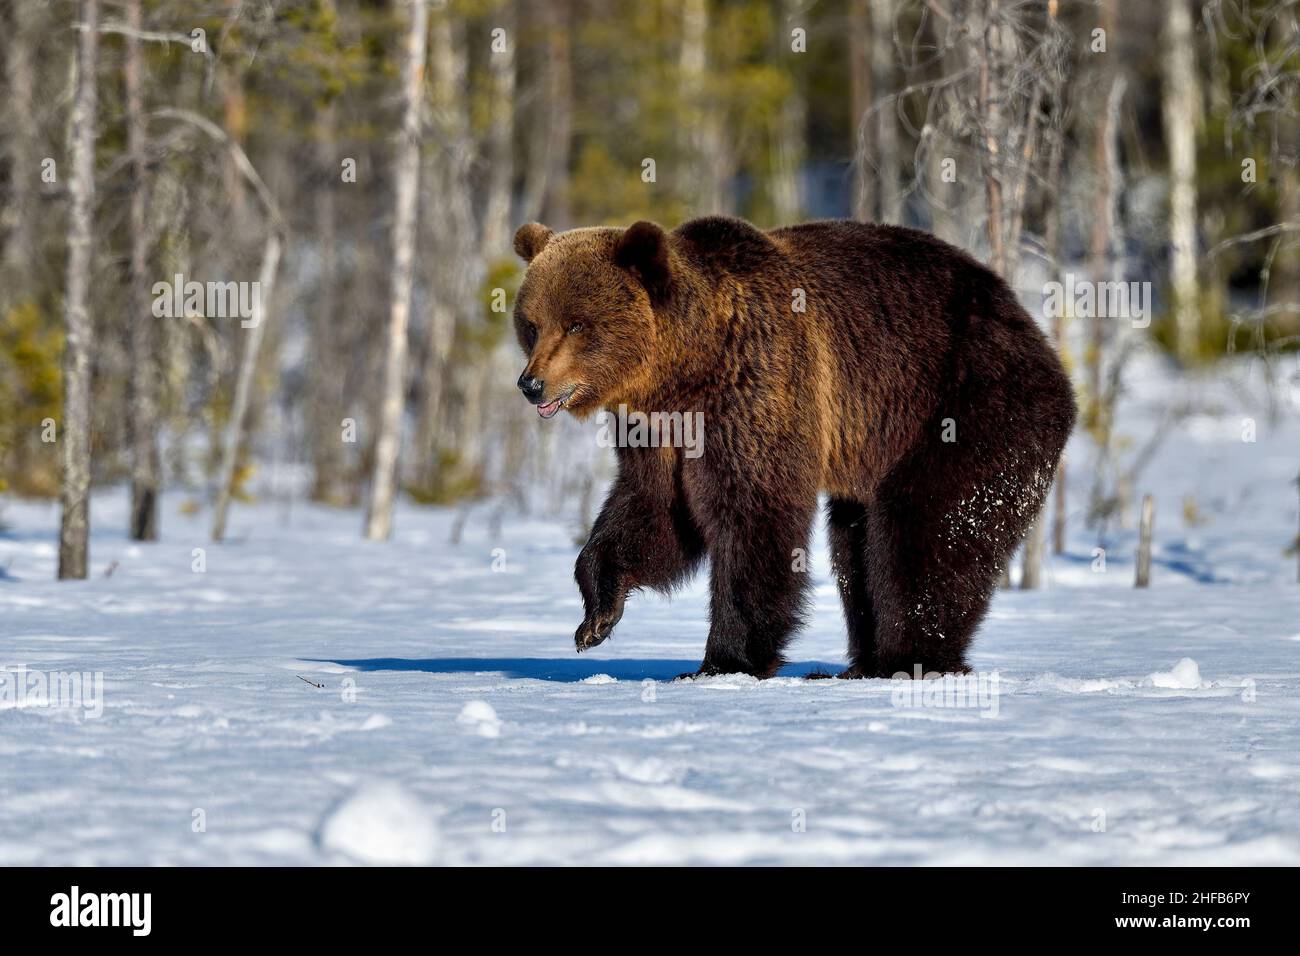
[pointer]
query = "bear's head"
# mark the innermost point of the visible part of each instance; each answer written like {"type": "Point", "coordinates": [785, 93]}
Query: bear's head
{"type": "Point", "coordinates": [585, 314]}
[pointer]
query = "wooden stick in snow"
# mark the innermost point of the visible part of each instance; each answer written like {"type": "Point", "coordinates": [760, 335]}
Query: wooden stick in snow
{"type": "Point", "coordinates": [1144, 542]}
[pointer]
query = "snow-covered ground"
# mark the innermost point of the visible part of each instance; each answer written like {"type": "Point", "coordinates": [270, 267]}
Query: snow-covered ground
{"type": "Point", "coordinates": [455, 724]}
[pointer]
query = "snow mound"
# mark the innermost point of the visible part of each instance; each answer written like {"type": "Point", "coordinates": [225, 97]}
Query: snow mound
{"type": "Point", "coordinates": [479, 717]}
{"type": "Point", "coordinates": [1184, 676]}
{"type": "Point", "coordinates": [382, 823]}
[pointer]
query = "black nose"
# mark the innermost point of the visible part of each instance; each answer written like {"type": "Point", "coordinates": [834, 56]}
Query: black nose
{"type": "Point", "coordinates": [531, 387]}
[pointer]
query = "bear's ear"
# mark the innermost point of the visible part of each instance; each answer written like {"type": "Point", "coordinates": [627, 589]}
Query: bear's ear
{"type": "Point", "coordinates": [531, 238]}
{"type": "Point", "coordinates": [643, 251]}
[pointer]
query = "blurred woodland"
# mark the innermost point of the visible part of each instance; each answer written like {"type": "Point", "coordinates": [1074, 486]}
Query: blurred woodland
{"type": "Point", "coordinates": [367, 161]}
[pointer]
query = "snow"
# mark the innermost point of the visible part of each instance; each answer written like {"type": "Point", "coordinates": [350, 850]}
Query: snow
{"type": "Point", "coordinates": [455, 724]}
{"type": "Point", "coordinates": [1185, 675]}
{"type": "Point", "coordinates": [481, 718]}
{"type": "Point", "coordinates": [381, 823]}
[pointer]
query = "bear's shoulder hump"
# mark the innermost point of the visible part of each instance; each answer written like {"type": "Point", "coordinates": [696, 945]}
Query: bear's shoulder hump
{"type": "Point", "coordinates": [724, 239]}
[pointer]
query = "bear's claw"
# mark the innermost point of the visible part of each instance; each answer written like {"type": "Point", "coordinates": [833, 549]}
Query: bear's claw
{"type": "Point", "coordinates": [592, 632]}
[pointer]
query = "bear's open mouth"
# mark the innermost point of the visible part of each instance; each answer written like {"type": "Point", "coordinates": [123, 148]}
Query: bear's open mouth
{"type": "Point", "coordinates": [550, 408]}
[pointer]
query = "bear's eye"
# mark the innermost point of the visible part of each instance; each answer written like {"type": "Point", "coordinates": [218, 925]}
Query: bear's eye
{"type": "Point", "coordinates": [574, 328]}
{"type": "Point", "coordinates": [530, 335]}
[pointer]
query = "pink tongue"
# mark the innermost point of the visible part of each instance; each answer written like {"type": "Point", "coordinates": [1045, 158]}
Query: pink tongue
{"type": "Point", "coordinates": [549, 409]}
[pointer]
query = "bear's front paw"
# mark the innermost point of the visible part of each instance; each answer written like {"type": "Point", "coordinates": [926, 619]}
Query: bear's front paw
{"type": "Point", "coordinates": [594, 629]}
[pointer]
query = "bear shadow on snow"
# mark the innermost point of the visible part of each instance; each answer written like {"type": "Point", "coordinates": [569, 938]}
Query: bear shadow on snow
{"type": "Point", "coordinates": [565, 669]}
{"type": "Point", "coordinates": [874, 364]}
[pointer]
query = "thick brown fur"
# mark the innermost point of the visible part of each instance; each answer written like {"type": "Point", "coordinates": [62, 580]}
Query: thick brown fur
{"type": "Point", "coordinates": [912, 389]}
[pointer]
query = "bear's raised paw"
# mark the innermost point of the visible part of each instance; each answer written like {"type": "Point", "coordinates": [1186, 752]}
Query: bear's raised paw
{"type": "Point", "coordinates": [594, 630]}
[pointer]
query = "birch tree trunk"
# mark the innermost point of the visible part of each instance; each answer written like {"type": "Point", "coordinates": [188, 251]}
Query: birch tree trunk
{"type": "Point", "coordinates": [1286, 29]}
{"type": "Point", "coordinates": [706, 183]}
{"type": "Point", "coordinates": [990, 119]}
{"type": "Point", "coordinates": [887, 154]}
{"type": "Point", "coordinates": [457, 266]}
{"type": "Point", "coordinates": [1181, 112]}
{"type": "Point", "coordinates": [19, 218]}
{"type": "Point", "coordinates": [145, 464]}
{"type": "Point", "coordinates": [497, 231]}
{"type": "Point", "coordinates": [383, 489]}
{"type": "Point", "coordinates": [1031, 565]}
{"type": "Point", "coordinates": [1023, 147]}
{"type": "Point", "coordinates": [1288, 260]}
{"type": "Point", "coordinates": [948, 201]}
{"type": "Point", "coordinates": [496, 367]}
{"type": "Point", "coordinates": [178, 338]}
{"type": "Point", "coordinates": [1104, 142]}
{"type": "Point", "coordinates": [691, 64]}
{"type": "Point", "coordinates": [787, 192]}
{"type": "Point", "coordinates": [860, 76]}
{"type": "Point", "coordinates": [244, 383]}
{"type": "Point", "coordinates": [460, 434]}
{"type": "Point", "coordinates": [327, 373]}
{"type": "Point", "coordinates": [75, 440]}
{"type": "Point", "coordinates": [1052, 239]}
{"type": "Point", "coordinates": [561, 54]}
{"type": "Point", "coordinates": [790, 139]}
{"type": "Point", "coordinates": [1031, 568]}
{"type": "Point", "coordinates": [546, 176]}
{"type": "Point", "coordinates": [1099, 408]}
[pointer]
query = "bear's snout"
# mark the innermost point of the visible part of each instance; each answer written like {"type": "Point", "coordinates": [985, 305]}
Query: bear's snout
{"type": "Point", "coordinates": [531, 387]}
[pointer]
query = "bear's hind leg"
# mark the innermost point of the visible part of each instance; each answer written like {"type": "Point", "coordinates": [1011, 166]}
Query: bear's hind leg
{"type": "Point", "coordinates": [939, 532]}
{"type": "Point", "coordinates": [846, 522]}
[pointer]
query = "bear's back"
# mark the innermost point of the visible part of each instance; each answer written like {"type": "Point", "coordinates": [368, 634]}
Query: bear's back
{"type": "Point", "coordinates": [893, 280]}
{"type": "Point", "coordinates": [880, 303]}
{"type": "Point", "coordinates": [862, 249]}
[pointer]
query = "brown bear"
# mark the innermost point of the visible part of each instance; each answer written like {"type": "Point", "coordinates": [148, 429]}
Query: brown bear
{"type": "Point", "coordinates": [876, 364]}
